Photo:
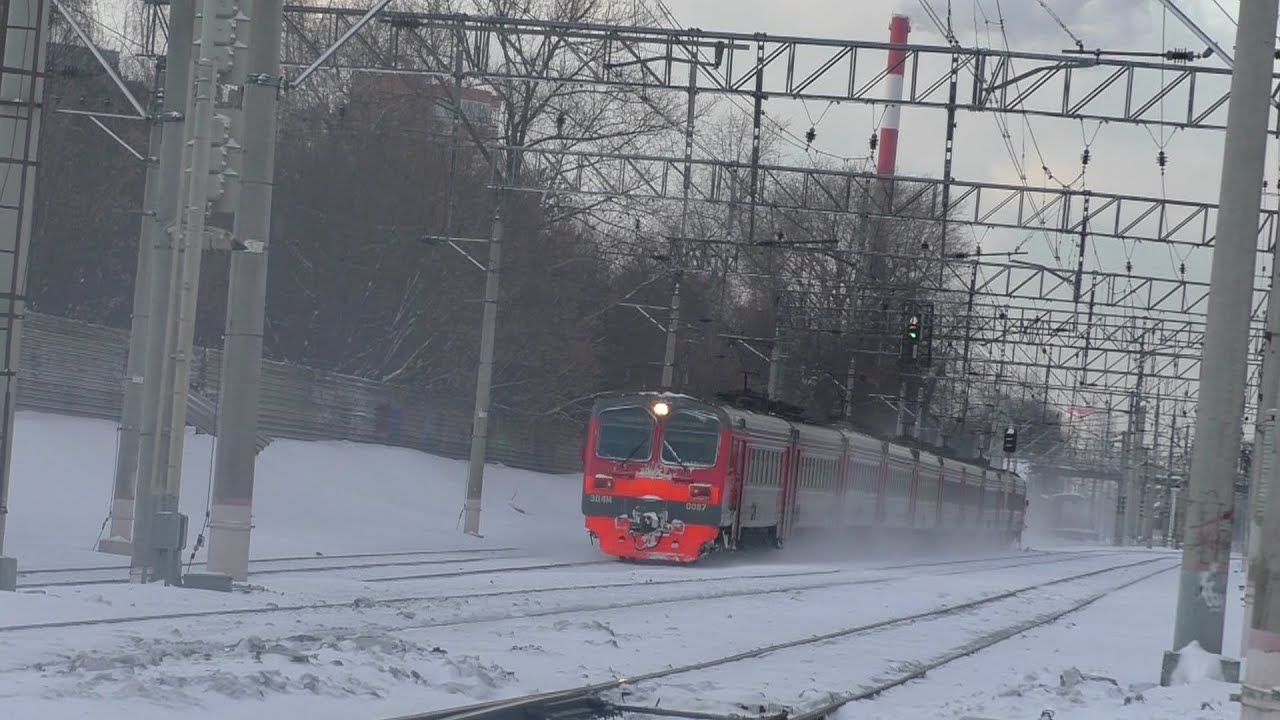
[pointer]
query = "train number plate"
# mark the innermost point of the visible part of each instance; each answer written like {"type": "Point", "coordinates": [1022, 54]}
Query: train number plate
{"type": "Point", "coordinates": [600, 498]}
{"type": "Point", "coordinates": [695, 506]}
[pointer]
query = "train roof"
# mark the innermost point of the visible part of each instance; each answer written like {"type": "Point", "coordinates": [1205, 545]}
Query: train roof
{"type": "Point", "coordinates": [771, 425]}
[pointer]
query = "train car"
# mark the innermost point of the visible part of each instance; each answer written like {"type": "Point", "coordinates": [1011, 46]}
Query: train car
{"type": "Point", "coordinates": [1070, 515]}
{"type": "Point", "coordinates": [671, 477]}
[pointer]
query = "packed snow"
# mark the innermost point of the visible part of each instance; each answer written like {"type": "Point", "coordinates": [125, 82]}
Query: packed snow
{"type": "Point", "coordinates": [366, 600]}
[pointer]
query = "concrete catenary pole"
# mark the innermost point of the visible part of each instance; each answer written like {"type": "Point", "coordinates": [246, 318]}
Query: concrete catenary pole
{"type": "Point", "coordinates": [503, 163]}
{"type": "Point", "coordinates": [117, 540]}
{"type": "Point", "coordinates": [1263, 448]}
{"type": "Point", "coordinates": [1206, 550]}
{"type": "Point", "coordinates": [159, 203]}
{"type": "Point", "coordinates": [1261, 646]}
{"type": "Point", "coordinates": [231, 513]}
{"type": "Point", "coordinates": [23, 34]}
{"type": "Point", "coordinates": [177, 96]}
{"type": "Point", "coordinates": [180, 313]}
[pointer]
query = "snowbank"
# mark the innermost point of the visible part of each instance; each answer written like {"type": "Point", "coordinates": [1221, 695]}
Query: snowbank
{"type": "Point", "coordinates": [310, 497]}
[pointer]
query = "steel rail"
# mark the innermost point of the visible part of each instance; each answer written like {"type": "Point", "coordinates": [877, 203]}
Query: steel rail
{"type": "Point", "coordinates": [389, 602]}
{"type": "Point", "coordinates": [588, 697]}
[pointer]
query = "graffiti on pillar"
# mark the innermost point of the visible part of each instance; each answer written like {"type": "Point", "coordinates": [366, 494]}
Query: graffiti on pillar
{"type": "Point", "coordinates": [1213, 589]}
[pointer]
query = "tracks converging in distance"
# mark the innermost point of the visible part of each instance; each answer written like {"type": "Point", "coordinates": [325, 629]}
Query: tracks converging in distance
{"type": "Point", "coordinates": [590, 700]}
{"type": "Point", "coordinates": [970, 565]}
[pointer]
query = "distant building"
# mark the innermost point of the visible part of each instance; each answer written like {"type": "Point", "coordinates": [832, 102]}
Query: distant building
{"type": "Point", "coordinates": [481, 107]}
{"type": "Point", "coordinates": [76, 60]}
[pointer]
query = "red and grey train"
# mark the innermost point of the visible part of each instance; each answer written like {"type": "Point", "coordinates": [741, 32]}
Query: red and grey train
{"type": "Point", "coordinates": [670, 477]}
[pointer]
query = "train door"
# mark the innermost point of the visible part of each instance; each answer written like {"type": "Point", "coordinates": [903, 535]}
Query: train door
{"type": "Point", "coordinates": [790, 484]}
{"type": "Point", "coordinates": [840, 490]}
{"type": "Point", "coordinates": [982, 497]}
{"type": "Point", "coordinates": [736, 488]}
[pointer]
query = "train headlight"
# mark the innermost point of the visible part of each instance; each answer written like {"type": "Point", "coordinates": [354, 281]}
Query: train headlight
{"type": "Point", "coordinates": [661, 409]}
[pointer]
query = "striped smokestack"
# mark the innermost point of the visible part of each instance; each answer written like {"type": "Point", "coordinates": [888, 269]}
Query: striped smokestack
{"type": "Point", "coordinates": [887, 162]}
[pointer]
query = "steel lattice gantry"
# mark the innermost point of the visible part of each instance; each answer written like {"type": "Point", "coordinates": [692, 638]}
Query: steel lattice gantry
{"type": "Point", "coordinates": [1025, 307]}
{"type": "Point", "coordinates": [816, 190]}
{"type": "Point", "coordinates": [1047, 84]}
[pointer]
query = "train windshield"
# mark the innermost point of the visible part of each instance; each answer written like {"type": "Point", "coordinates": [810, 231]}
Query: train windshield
{"type": "Point", "coordinates": [691, 438]}
{"type": "Point", "coordinates": [626, 433]}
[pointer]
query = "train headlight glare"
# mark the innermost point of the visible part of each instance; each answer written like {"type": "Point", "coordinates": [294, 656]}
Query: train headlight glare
{"type": "Point", "coordinates": [661, 409]}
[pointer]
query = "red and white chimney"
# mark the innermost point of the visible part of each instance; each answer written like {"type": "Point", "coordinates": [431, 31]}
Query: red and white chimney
{"type": "Point", "coordinates": [887, 161]}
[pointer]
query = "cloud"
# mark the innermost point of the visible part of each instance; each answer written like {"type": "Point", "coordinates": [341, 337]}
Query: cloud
{"type": "Point", "coordinates": [1097, 23]}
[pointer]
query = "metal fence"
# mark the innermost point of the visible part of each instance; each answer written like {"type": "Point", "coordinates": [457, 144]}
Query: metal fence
{"type": "Point", "coordinates": [76, 368]}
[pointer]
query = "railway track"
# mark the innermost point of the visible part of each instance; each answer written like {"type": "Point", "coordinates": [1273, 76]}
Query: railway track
{"type": "Point", "coordinates": [433, 559]}
{"type": "Point", "coordinates": [1004, 562]}
{"type": "Point", "coordinates": [591, 701]}
{"type": "Point", "coordinates": [286, 558]}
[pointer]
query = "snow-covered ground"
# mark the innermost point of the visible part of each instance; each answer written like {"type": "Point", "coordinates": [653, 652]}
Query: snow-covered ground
{"type": "Point", "coordinates": [532, 607]}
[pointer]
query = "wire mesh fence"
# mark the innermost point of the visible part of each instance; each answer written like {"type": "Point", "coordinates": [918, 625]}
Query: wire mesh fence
{"type": "Point", "coordinates": [76, 368]}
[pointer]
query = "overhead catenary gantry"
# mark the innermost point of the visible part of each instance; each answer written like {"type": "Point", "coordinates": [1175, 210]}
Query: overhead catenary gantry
{"type": "Point", "coordinates": [843, 70]}
{"type": "Point", "coordinates": [758, 67]}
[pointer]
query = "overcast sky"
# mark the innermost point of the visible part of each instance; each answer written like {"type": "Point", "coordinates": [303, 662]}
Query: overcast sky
{"type": "Point", "coordinates": [1123, 156]}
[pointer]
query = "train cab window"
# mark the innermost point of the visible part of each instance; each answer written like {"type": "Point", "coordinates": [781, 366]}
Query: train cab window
{"type": "Point", "coordinates": [691, 439]}
{"type": "Point", "coordinates": [626, 433]}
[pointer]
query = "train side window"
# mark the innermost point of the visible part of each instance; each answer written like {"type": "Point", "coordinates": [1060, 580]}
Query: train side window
{"type": "Point", "coordinates": [951, 491]}
{"type": "Point", "coordinates": [901, 480]}
{"type": "Point", "coordinates": [765, 468]}
{"type": "Point", "coordinates": [864, 475]}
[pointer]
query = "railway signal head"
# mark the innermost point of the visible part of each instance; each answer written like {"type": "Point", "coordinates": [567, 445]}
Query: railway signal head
{"type": "Point", "coordinates": [913, 329]}
{"type": "Point", "coordinates": [1010, 439]}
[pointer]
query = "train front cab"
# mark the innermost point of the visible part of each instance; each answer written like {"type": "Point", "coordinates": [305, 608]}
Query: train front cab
{"type": "Point", "coordinates": [654, 471]}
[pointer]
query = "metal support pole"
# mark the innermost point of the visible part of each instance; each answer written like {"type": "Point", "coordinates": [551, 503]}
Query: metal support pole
{"type": "Point", "coordinates": [948, 154]}
{"type": "Point", "coordinates": [677, 259]}
{"type": "Point", "coordinates": [1150, 491]}
{"type": "Point", "coordinates": [673, 332]}
{"type": "Point", "coordinates": [177, 95]}
{"type": "Point", "coordinates": [1095, 508]}
{"type": "Point", "coordinates": [23, 34]}
{"type": "Point", "coordinates": [484, 373]}
{"type": "Point", "coordinates": [775, 363]}
{"type": "Point", "coordinates": [1122, 493]}
{"type": "Point", "coordinates": [231, 513]}
{"type": "Point", "coordinates": [1134, 454]}
{"type": "Point", "coordinates": [965, 367]}
{"type": "Point", "coordinates": [901, 427]}
{"type": "Point", "coordinates": [1207, 549]}
{"type": "Point", "coordinates": [118, 540]}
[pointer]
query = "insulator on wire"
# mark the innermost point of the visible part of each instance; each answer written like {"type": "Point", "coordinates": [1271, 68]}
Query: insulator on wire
{"type": "Point", "coordinates": [1162, 158]}
{"type": "Point", "coordinates": [874, 141]}
{"type": "Point", "coordinates": [1180, 55]}
{"type": "Point", "coordinates": [1085, 156]}
{"type": "Point", "coordinates": [1128, 266]}
{"type": "Point", "coordinates": [810, 136]}
{"type": "Point", "coordinates": [1182, 268]}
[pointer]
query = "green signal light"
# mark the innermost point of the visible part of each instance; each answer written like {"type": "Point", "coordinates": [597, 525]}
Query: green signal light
{"type": "Point", "coordinates": [913, 329]}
